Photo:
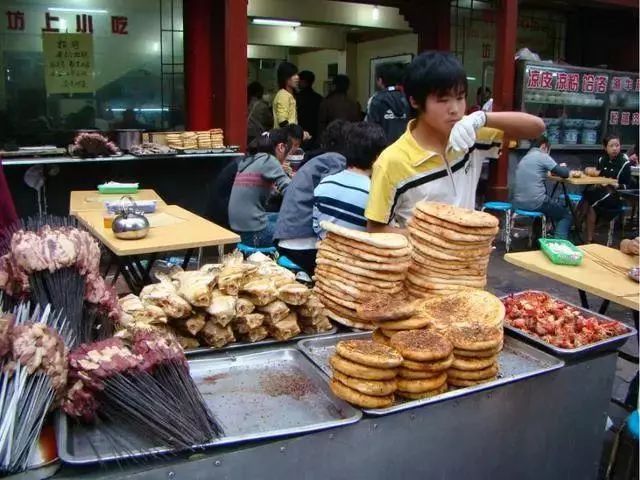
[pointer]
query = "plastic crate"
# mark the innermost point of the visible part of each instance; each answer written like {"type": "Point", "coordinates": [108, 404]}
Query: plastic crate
{"type": "Point", "coordinates": [559, 258]}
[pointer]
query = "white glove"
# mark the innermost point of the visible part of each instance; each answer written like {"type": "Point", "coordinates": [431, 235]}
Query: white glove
{"type": "Point", "coordinates": [463, 134]}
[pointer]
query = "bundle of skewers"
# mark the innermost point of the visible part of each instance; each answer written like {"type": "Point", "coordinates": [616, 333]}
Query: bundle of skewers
{"type": "Point", "coordinates": [49, 260]}
{"type": "Point", "coordinates": [33, 376]}
{"type": "Point", "coordinates": [146, 388]}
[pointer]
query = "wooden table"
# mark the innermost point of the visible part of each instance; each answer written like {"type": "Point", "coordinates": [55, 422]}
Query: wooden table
{"type": "Point", "coordinates": [87, 200]}
{"type": "Point", "coordinates": [590, 276]}
{"type": "Point", "coordinates": [179, 230]}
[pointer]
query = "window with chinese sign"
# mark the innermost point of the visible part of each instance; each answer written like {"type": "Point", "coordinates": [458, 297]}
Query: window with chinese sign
{"type": "Point", "coordinates": [72, 65]}
{"type": "Point", "coordinates": [623, 106]}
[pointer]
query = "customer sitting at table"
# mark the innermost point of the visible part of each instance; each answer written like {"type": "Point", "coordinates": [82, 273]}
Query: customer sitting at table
{"type": "Point", "coordinates": [530, 192]}
{"type": "Point", "coordinates": [603, 201]}
{"type": "Point", "coordinates": [257, 175]}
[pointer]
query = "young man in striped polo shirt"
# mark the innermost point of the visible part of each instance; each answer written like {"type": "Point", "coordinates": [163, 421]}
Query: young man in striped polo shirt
{"type": "Point", "coordinates": [342, 197]}
{"type": "Point", "coordinates": [439, 157]}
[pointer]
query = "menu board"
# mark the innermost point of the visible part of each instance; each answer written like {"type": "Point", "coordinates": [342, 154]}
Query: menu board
{"type": "Point", "coordinates": [68, 62]}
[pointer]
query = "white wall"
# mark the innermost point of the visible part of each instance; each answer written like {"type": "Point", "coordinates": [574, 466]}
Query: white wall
{"type": "Point", "coordinates": [385, 47]}
{"type": "Point", "coordinates": [318, 62]}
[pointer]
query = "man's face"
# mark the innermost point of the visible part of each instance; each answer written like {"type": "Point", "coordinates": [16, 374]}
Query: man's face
{"type": "Point", "coordinates": [441, 112]}
{"type": "Point", "coordinates": [295, 143]}
{"type": "Point", "coordinates": [293, 82]}
{"type": "Point", "coordinates": [302, 84]}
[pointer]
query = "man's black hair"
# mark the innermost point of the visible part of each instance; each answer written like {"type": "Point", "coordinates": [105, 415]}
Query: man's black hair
{"type": "Point", "coordinates": [286, 70]}
{"type": "Point", "coordinates": [267, 142]}
{"type": "Point", "coordinates": [341, 83]}
{"type": "Point", "coordinates": [255, 90]}
{"type": "Point", "coordinates": [610, 136]}
{"type": "Point", "coordinates": [308, 76]}
{"type": "Point", "coordinates": [295, 131]}
{"type": "Point", "coordinates": [434, 72]}
{"type": "Point", "coordinates": [365, 141]}
{"type": "Point", "coordinates": [334, 137]}
{"type": "Point", "coordinates": [390, 73]}
{"type": "Point", "coordinates": [541, 140]}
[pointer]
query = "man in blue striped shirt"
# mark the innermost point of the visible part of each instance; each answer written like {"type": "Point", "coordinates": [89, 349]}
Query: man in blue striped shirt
{"type": "Point", "coordinates": [341, 198]}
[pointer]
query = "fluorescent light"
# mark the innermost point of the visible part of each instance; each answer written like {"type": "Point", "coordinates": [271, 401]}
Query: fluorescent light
{"type": "Point", "coordinates": [276, 23]}
{"type": "Point", "coordinates": [76, 10]}
{"type": "Point", "coordinates": [375, 13]}
{"type": "Point", "coordinates": [471, 78]}
{"type": "Point", "coordinates": [164, 109]}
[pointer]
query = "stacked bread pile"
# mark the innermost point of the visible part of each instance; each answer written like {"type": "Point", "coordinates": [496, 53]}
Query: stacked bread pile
{"type": "Point", "coordinates": [204, 139]}
{"type": "Point", "coordinates": [174, 139]}
{"type": "Point", "coordinates": [352, 266]}
{"type": "Point", "coordinates": [426, 358]}
{"type": "Point", "coordinates": [391, 313]}
{"type": "Point", "coordinates": [364, 373]}
{"type": "Point", "coordinates": [451, 249]}
{"type": "Point", "coordinates": [189, 140]}
{"type": "Point", "coordinates": [472, 321]}
{"type": "Point", "coordinates": [217, 138]}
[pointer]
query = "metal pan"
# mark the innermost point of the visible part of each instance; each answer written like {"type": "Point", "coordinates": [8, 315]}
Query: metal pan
{"type": "Point", "coordinates": [607, 345]}
{"type": "Point", "coordinates": [254, 395]}
{"type": "Point", "coordinates": [517, 361]}
{"type": "Point", "coordinates": [261, 343]}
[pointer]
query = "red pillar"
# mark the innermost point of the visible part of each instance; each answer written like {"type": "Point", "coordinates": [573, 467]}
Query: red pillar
{"type": "Point", "coordinates": [198, 64]}
{"type": "Point", "coordinates": [432, 23]}
{"type": "Point", "coordinates": [503, 85]}
{"type": "Point", "coordinates": [218, 55]}
{"type": "Point", "coordinates": [235, 44]}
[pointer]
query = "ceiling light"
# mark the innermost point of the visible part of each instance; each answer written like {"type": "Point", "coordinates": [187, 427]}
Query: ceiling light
{"type": "Point", "coordinates": [276, 23]}
{"type": "Point", "coordinates": [375, 13]}
{"type": "Point", "coordinates": [76, 10]}
{"type": "Point", "coordinates": [471, 78]}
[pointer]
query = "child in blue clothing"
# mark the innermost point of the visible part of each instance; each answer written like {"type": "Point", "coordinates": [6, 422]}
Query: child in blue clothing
{"type": "Point", "coordinates": [342, 197]}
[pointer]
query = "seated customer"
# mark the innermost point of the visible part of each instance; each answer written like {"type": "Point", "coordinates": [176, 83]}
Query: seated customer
{"type": "Point", "coordinates": [294, 230]}
{"type": "Point", "coordinates": [341, 198]}
{"type": "Point", "coordinates": [257, 175]}
{"type": "Point", "coordinates": [530, 192]}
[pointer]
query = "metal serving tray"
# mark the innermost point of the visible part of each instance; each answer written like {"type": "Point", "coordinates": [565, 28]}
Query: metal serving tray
{"type": "Point", "coordinates": [254, 396]}
{"type": "Point", "coordinates": [606, 345]}
{"type": "Point", "coordinates": [261, 343]}
{"type": "Point", "coordinates": [517, 361]}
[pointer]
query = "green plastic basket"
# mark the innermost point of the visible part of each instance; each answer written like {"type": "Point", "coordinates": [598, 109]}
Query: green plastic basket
{"type": "Point", "coordinates": [107, 189]}
{"type": "Point", "coordinates": [560, 258]}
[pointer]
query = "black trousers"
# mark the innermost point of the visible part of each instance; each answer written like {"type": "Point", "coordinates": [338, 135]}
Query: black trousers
{"type": "Point", "coordinates": [305, 259]}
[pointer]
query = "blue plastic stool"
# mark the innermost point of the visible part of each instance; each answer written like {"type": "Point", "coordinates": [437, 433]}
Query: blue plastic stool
{"type": "Point", "coordinates": [246, 250]}
{"type": "Point", "coordinates": [632, 424]}
{"type": "Point", "coordinates": [504, 207]}
{"type": "Point", "coordinates": [533, 215]}
{"type": "Point", "coordinates": [285, 262]}
{"type": "Point", "coordinates": [573, 197]}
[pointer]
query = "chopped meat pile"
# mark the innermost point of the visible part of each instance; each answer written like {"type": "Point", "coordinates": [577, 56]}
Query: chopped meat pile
{"type": "Point", "coordinates": [557, 323]}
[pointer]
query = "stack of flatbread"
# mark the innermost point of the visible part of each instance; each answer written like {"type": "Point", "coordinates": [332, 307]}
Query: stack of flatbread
{"type": "Point", "coordinates": [352, 266]}
{"type": "Point", "coordinates": [472, 321]}
{"type": "Point", "coordinates": [204, 139]}
{"type": "Point", "coordinates": [391, 314]}
{"type": "Point", "coordinates": [451, 249]}
{"type": "Point", "coordinates": [217, 138]}
{"type": "Point", "coordinates": [174, 139]}
{"type": "Point", "coordinates": [189, 140]}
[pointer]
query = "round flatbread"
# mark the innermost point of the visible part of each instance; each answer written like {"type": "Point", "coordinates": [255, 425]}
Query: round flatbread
{"type": "Point", "coordinates": [348, 260]}
{"type": "Point", "coordinates": [472, 364]}
{"type": "Point", "coordinates": [474, 336]}
{"type": "Point", "coordinates": [426, 259]}
{"type": "Point", "coordinates": [326, 292]}
{"type": "Point", "coordinates": [350, 293]}
{"type": "Point", "coordinates": [354, 397]}
{"type": "Point", "coordinates": [363, 283]}
{"type": "Point", "coordinates": [442, 270]}
{"type": "Point", "coordinates": [337, 241]}
{"type": "Point", "coordinates": [387, 276]}
{"type": "Point", "coordinates": [421, 385]}
{"type": "Point", "coordinates": [412, 323]}
{"type": "Point", "coordinates": [358, 254]}
{"type": "Point", "coordinates": [434, 281]}
{"type": "Point", "coordinates": [416, 374]}
{"type": "Point", "coordinates": [389, 333]}
{"type": "Point", "coordinates": [385, 307]}
{"type": "Point", "coordinates": [433, 366]}
{"type": "Point", "coordinates": [491, 352]}
{"type": "Point", "coordinates": [490, 371]}
{"type": "Point", "coordinates": [446, 243]}
{"type": "Point", "coordinates": [453, 226]}
{"type": "Point", "coordinates": [380, 337]}
{"type": "Point", "coordinates": [422, 395]}
{"type": "Point", "coordinates": [348, 321]}
{"type": "Point", "coordinates": [457, 382]}
{"type": "Point", "coordinates": [422, 345]}
{"type": "Point", "coordinates": [429, 248]}
{"type": "Point", "coordinates": [481, 306]}
{"type": "Point", "coordinates": [422, 292]}
{"type": "Point", "coordinates": [419, 282]}
{"type": "Point", "coordinates": [458, 215]}
{"type": "Point", "coordinates": [361, 371]}
{"type": "Point", "coordinates": [366, 352]}
{"type": "Point", "coordinates": [387, 241]}
{"type": "Point", "coordinates": [375, 388]}
{"type": "Point", "coordinates": [453, 235]}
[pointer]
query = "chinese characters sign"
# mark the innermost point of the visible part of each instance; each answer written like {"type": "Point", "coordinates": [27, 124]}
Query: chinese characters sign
{"type": "Point", "coordinates": [567, 81]}
{"type": "Point", "coordinates": [16, 21]}
{"type": "Point", "coordinates": [68, 62]}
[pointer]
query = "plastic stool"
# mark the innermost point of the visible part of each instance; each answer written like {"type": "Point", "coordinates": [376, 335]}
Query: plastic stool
{"type": "Point", "coordinates": [285, 262]}
{"type": "Point", "coordinates": [533, 215]}
{"type": "Point", "coordinates": [506, 208]}
{"type": "Point", "coordinates": [573, 197]}
{"type": "Point", "coordinates": [246, 250]}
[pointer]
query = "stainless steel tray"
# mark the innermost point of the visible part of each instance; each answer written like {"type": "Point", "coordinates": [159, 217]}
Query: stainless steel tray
{"type": "Point", "coordinates": [517, 361]}
{"type": "Point", "coordinates": [254, 395]}
{"type": "Point", "coordinates": [606, 345]}
{"type": "Point", "coordinates": [261, 343]}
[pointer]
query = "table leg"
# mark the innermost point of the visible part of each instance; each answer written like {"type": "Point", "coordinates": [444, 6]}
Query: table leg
{"type": "Point", "coordinates": [126, 274]}
{"type": "Point", "coordinates": [199, 257]}
{"type": "Point", "coordinates": [603, 307]}
{"type": "Point", "coordinates": [553, 192]}
{"type": "Point", "coordinates": [146, 276]}
{"type": "Point", "coordinates": [574, 214]}
{"type": "Point", "coordinates": [220, 253]}
{"type": "Point", "coordinates": [187, 258]}
{"type": "Point", "coordinates": [583, 299]}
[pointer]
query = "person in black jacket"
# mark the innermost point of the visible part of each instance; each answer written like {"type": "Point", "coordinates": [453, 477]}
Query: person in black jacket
{"type": "Point", "coordinates": [389, 107]}
{"type": "Point", "coordinates": [604, 201]}
{"type": "Point", "coordinates": [308, 104]}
